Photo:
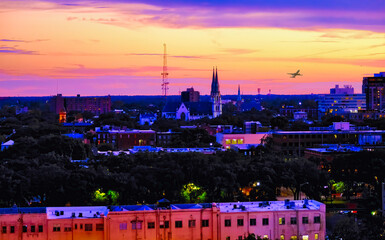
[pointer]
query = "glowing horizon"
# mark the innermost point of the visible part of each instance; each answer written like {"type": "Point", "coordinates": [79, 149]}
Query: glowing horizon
{"type": "Point", "coordinates": [115, 47]}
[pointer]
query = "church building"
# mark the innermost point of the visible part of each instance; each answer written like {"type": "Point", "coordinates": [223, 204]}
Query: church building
{"type": "Point", "coordinates": [189, 109]}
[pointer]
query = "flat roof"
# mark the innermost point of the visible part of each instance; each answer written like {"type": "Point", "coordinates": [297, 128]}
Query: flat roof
{"type": "Point", "coordinates": [330, 132]}
{"type": "Point", "coordinates": [269, 206]}
{"type": "Point", "coordinates": [79, 212]}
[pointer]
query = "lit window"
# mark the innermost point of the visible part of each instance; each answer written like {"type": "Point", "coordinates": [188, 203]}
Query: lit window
{"type": "Point", "coordinates": [316, 236]}
{"type": "Point", "coordinates": [282, 237]}
{"type": "Point", "coordinates": [281, 221]}
{"type": "Point", "coordinates": [266, 236]}
{"type": "Point", "coordinates": [234, 141]}
{"type": "Point", "coordinates": [305, 237]}
{"type": "Point", "coordinates": [228, 141]}
{"type": "Point", "coordinates": [293, 238]}
{"type": "Point", "coordinates": [240, 141]}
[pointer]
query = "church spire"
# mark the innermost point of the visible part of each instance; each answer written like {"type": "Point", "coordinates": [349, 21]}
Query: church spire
{"type": "Point", "coordinates": [239, 93]}
{"type": "Point", "coordinates": [214, 83]}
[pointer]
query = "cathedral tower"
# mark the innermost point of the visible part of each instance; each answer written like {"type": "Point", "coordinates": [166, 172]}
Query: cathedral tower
{"type": "Point", "coordinates": [216, 95]}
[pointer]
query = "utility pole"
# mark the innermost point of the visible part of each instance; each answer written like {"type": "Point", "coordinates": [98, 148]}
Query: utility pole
{"type": "Point", "coordinates": [164, 74]}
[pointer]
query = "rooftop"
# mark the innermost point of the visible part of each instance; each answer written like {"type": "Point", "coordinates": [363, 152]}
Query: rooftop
{"type": "Point", "coordinates": [76, 212]}
{"type": "Point", "coordinates": [269, 206]}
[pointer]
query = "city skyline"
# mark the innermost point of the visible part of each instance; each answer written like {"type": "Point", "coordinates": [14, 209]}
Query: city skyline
{"type": "Point", "coordinates": [107, 47]}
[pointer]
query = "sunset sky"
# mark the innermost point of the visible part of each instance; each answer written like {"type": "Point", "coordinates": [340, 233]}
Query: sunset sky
{"type": "Point", "coordinates": [115, 47]}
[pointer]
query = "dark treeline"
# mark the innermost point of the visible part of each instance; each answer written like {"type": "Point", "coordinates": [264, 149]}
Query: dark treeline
{"type": "Point", "coordinates": [41, 169]}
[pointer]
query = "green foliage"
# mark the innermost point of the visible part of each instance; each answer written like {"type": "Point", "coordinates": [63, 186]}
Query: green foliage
{"type": "Point", "coordinates": [192, 193]}
{"type": "Point", "coordinates": [339, 187]}
{"type": "Point", "coordinates": [111, 197]}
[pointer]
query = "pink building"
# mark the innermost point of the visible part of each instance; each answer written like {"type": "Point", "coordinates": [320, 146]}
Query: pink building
{"type": "Point", "coordinates": [243, 138]}
{"type": "Point", "coordinates": [300, 220]}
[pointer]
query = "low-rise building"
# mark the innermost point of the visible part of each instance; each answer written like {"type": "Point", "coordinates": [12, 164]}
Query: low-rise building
{"type": "Point", "coordinates": [300, 219]}
{"type": "Point", "coordinates": [226, 140]}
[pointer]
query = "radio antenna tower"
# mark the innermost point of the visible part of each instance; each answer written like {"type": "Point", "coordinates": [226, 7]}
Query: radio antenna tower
{"type": "Point", "coordinates": [164, 74]}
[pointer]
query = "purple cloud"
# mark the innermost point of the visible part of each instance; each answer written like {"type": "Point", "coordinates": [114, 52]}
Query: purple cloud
{"type": "Point", "coordinates": [12, 50]}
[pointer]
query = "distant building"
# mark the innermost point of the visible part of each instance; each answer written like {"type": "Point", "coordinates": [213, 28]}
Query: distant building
{"type": "Point", "coordinates": [215, 95]}
{"type": "Point", "coordinates": [374, 88]}
{"type": "Point", "coordinates": [7, 144]}
{"type": "Point", "coordinates": [299, 219]}
{"type": "Point", "coordinates": [95, 105]}
{"type": "Point", "coordinates": [189, 110]}
{"type": "Point", "coordinates": [295, 142]}
{"type": "Point", "coordinates": [288, 111]}
{"type": "Point", "coordinates": [300, 116]}
{"type": "Point", "coordinates": [252, 126]}
{"type": "Point", "coordinates": [346, 90]}
{"type": "Point", "coordinates": [190, 95]}
{"type": "Point", "coordinates": [226, 140]}
{"type": "Point", "coordinates": [341, 104]}
{"type": "Point", "coordinates": [124, 139]}
{"type": "Point", "coordinates": [147, 118]}
{"type": "Point", "coordinates": [165, 138]}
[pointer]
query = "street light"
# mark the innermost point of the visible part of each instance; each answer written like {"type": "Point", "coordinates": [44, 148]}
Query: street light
{"type": "Point", "coordinates": [303, 184]}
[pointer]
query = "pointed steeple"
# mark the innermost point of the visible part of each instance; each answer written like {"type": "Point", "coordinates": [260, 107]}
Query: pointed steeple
{"type": "Point", "coordinates": [239, 93]}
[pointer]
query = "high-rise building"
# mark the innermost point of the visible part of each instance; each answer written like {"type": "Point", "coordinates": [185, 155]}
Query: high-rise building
{"type": "Point", "coordinates": [216, 95]}
{"type": "Point", "coordinates": [190, 95]}
{"type": "Point", "coordinates": [374, 88]}
{"type": "Point", "coordinates": [347, 89]}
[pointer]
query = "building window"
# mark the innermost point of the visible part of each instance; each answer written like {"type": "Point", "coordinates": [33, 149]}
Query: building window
{"type": "Point", "coordinates": [4, 229]}
{"type": "Point", "coordinates": [240, 237]}
{"type": "Point", "coordinates": [305, 237]}
{"type": "Point", "coordinates": [253, 222]}
{"type": "Point", "coordinates": [136, 224]}
{"type": "Point", "coordinates": [282, 237]}
{"type": "Point", "coordinates": [178, 224]}
{"type": "Point", "coordinates": [81, 226]}
{"type": "Point", "coordinates": [67, 229]}
{"type": "Point", "coordinates": [76, 226]}
{"type": "Point", "coordinates": [265, 221]}
{"type": "Point", "coordinates": [25, 228]}
{"type": "Point", "coordinates": [281, 221]}
{"type": "Point", "coordinates": [305, 220]}
{"type": "Point", "coordinates": [33, 228]}
{"type": "Point", "coordinates": [191, 223]}
{"type": "Point", "coordinates": [123, 226]}
{"type": "Point", "coordinates": [239, 222]}
{"type": "Point", "coordinates": [87, 227]}
{"type": "Point", "coordinates": [227, 238]}
{"type": "Point", "coordinates": [165, 224]}
{"type": "Point", "coordinates": [316, 236]}
{"type": "Point", "coordinates": [56, 228]}
{"type": "Point", "coordinates": [266, 236]}
{"type": "Point", "coordinates": [151, 225]}
{"type": "Point", "coordinates": [227, 222]}
{"type": "Point", "coordinates": [293, 238]}
{"type": "Point", "coordinates": [293, 220]}
{"type": "Point", "coordinates": [100, 227]}
{"type": "Point", "coordinates": [40, 228]}
{"type": "Point", "coordinates": [317, 219]}
{"type": "Point", "coordinates": [205, 223]}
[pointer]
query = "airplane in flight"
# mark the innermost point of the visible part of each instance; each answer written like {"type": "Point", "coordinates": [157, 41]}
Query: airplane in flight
{"type": "Point", "coordinates": [293, 75]}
